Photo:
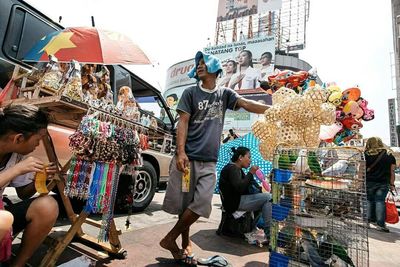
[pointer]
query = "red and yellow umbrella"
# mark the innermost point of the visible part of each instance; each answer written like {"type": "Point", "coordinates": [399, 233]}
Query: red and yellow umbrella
{"type": "Point", "coordinates": [88, 45]}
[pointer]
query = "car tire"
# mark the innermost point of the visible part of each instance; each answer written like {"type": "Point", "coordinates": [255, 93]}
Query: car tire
{"type": "Point", "coordinates": [145, 187]}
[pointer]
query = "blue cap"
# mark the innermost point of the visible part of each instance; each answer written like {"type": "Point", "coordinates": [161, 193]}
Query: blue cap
{"type": "Point", "coordinates": [212, 62]}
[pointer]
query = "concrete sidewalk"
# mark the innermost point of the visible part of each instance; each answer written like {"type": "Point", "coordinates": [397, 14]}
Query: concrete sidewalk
{"type": "Point", "coordinates": [147, 229]}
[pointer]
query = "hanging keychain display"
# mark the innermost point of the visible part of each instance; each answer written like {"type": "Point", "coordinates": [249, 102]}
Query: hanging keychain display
{"type": "Point", "coordinates": [101, 145]}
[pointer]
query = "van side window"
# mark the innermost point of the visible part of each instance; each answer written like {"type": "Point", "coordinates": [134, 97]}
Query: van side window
{"type": "Point", "coordinates": [23, 31]}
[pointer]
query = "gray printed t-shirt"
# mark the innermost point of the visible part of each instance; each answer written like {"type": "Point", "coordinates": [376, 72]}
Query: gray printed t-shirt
{"type": "Point", "coordinates": [207, 112]}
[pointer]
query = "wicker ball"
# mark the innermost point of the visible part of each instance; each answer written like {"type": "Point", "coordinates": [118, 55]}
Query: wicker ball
{"type": "Point", "coordinates": [311, 134]}
{"type": "Point", "coordinates": [272, 114]}
{"type": "Point", "coordinates": [262, 130]}
{"type": "Point", "coordinates": [327, 116]}
{"type": "Point", "coordinates": [317, 95]}
{"type": "Point", "coordinates": [267, 150]}
{"type": "Point", "coordinates": [283, 94]}
{"type": "Point", "coordinates": [288, 135]}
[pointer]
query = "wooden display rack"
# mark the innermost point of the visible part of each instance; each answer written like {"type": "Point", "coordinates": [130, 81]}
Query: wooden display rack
{"type": "Point", "coordinates": [66, 112]}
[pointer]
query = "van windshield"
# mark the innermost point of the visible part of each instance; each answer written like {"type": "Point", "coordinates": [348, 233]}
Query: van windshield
{"type": "Point", "coordinates": [152, 105]}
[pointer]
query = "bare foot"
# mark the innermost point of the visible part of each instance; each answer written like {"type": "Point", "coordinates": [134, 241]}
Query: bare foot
{"type": "Point", "coordinates": [177, 253]}
{"type": "Point", "coordinates": [190, 255]}
{"type": "Point", "coordinates": [188, 249]}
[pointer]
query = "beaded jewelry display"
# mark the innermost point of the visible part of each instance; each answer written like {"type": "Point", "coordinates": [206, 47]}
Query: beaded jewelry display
{"type": "Point", "coordinates": [101, 145]}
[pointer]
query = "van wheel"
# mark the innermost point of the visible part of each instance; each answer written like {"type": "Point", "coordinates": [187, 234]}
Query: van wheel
{"type": "Point", "coordinates": [145, 187]}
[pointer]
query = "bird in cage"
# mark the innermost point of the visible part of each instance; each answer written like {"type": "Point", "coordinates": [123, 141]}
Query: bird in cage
{"type": "Point", "coordinates": [331, 247]}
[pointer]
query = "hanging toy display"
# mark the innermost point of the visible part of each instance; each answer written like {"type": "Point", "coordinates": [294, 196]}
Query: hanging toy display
{"type": "Point", "coordinates": [298, 81]}
{"type": "Point", "coordinates": [304, 113]}
{"type": "Point", "coordinates": [351, 110]}
{"type": "Point", "coordinates": [101, 146]}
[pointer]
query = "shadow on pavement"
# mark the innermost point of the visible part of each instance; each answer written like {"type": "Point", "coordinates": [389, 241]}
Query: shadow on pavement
{"type": "Point", "coordinates": [208, 240]}
{"type": "Point", "coordinates": [391, 237]}
{"type": "Point", "coordinates": [256, 264]}
{"type": "Point", "coordinates": [164, 262]}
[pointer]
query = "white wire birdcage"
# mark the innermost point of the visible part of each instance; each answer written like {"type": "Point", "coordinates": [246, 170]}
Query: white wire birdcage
{"type": "Point", "coordinates": [319, 214]}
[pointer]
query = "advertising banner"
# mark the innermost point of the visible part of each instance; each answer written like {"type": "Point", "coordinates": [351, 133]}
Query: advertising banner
{"type": "Point", "coordinates": [246, 63]}
{"type": "Point", "coordinates": [232, 9]}
{"type": "Point", "coordinates": [241, 120]}
{"type": "Point", "coordinates": [177, 74]}
{"type": "Point", "coordinates": [392, 121]}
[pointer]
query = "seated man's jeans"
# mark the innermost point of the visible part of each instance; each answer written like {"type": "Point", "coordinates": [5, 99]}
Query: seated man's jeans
{"type": "Point", "coordinates": [256, 202]}
{"type": "Point", "coordinates": [376, 195]}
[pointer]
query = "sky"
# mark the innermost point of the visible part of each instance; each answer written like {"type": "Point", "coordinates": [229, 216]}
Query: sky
{"type": "Point", "coordinates": [348, 42]}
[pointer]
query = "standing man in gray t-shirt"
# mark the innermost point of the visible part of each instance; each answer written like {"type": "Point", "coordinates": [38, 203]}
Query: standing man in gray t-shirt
{"type": "Point", "coordinates": [202, 111]}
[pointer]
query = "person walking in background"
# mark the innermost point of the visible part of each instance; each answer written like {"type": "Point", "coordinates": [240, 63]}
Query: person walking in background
{"type": "Point", "coordinates": [246, 77]}
{"type": "Point", "coordinates": [231, 136]}
{"type": "Point", "coordinates": [21, 129]}
{"type": "Point", "coordinates": [230, 69]}
{"type": "Point", "coordinates": [201, 118]}
{"type": "Point", "coordinates": [380, 165]}
{"type": "Point", "coordinates": [235, 186]}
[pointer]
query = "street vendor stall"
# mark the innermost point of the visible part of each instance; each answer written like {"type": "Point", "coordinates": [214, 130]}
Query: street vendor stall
{"type": "Point", "coordinates": [107, 137]}
{"type": "Point", "coordinates": [319, 210]}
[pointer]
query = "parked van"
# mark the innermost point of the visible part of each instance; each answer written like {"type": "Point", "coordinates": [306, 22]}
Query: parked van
{"type": "Point", "coordinates": [21, 26]}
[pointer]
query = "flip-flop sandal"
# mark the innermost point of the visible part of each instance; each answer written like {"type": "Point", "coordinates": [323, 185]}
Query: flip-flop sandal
{"type": "Point", "coordinates": [190, 260]}
{"type": "Point", "coordinates": [186, 260]}
{"type": "Point", "coordinates": [217, 261]}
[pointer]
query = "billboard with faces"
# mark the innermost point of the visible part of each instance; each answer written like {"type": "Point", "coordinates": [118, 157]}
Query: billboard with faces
{"type": "Point", "coordinates": [245, 63]}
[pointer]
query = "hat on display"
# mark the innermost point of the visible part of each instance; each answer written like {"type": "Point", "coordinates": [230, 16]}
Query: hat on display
{"type": "Point", "coordinates": [212, 62]}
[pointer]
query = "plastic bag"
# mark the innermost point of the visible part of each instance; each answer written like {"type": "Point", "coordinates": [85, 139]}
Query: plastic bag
{"type": "Point", "coordinates": [52, 77]}
{"type": "Point", "coordinates": [392, 215]}
{"type": "Point", "coordinates": [73, 85]}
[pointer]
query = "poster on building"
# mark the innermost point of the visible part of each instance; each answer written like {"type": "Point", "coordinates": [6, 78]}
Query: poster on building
{"type": "Point", "coordinates": [233, 9]}
{"type": "Point", "coordinates": [245, 63]}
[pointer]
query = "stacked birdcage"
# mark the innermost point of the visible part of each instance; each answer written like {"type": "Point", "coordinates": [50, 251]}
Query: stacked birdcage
{"type": "Point", "coordinates": [319, 213]}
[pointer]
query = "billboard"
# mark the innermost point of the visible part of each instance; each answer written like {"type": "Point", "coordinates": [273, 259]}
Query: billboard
{"type": "Point", "coordinates": [233, 9]}
{"type": "Point", "coordinates": [245, 63]}
{"type": "Point", "coordinates": [392, 122]}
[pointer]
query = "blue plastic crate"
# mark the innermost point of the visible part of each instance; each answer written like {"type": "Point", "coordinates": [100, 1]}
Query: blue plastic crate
{"type": "Point", "coordinates": [282, 176]}
{"type": "Point", "coordinates": [279, 212]}
{"type": "Point", "coordinates": [278, 260]}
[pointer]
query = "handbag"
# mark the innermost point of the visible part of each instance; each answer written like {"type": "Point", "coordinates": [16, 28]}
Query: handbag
{"type": "Point", "coordinates": [392, 215]}
{"type": "Point", "coordinates": [376, 161]}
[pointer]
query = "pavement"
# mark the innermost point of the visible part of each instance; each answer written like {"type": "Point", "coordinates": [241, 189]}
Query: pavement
{"type": "Point", "coordinates": [141, 240]}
